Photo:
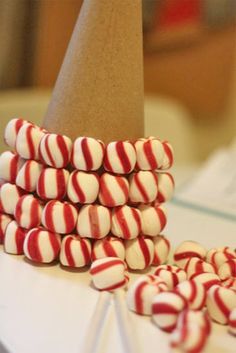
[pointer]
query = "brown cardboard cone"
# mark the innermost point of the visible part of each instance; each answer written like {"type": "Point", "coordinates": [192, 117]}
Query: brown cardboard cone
{"type": "Point", "coordinates": [99, 90]}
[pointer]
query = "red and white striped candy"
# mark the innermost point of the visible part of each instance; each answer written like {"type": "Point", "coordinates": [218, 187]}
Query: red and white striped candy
{"type": "Point", "coordinates": [161, 250]}
{"type": "Point", "coordinates": [4, 221]}
{"type": "Point", "coordinates": [166, 307]}
{"type": "Point", "coordinates": [9, 196]}
{"type": "Point", "coordinates": [186, 250]}
{"type": "Point", "coordinates": [94, 221]}
{"type": "Point", "coordinates": [52, 183]}
{"type": "Point", "coordinates": [194, 292]}
{"type": "Point", "coordinates": [11, 131]}
{"type": "Point", "coordinates": [82, 187]}
{"type": "Point", "coordinates": [87, 153]}
{"type": "Point", "coordinates": [232, 322]}
{"type": "Point", "coordinates": [220, 302]}
{"type": "Point", "coordinates": [126, 222]}
{"type": "Point", "coordinates": [143, 187]}
{"type": "Point", "coordinates": [230, 283]}
{"type": "Point", "coordinates": [109, 273]}
{"type": "Point", "coordinates": [75, 251]}
{"type": "Point", "coordinates": [219, 256]}
{"type": "Point", "coordinates": [120, 157]}
{"type": "Point", "coordinates": [139, 253]}
{"type": "Point", "coordinates": [168, 159]}
{"type": "Point", "coordinates": [172, 275]}
{"type": "Point", "coordinates": [227, 270]}
{"type": "Point", "coordinates": [108, 247]}
{"type": "Point", "coordinates": [150, 153]}
{"type": "Point", "coordinates": [166, 186]}
{"type": "Point", "coordinates": [154, 219]}
{"type": "Point", "coordinates": [14, 239]}
{"type": "Point", "coordinates": [207, 279]}
{"type": "Point", "coordinates": [114, 190]}
{"type": "Point", "coordinates": [28, 140]}
{"type": "Point", "coordinates": [59, 217]}
{"type": "Point", "coordinates": [28, 175]}
{"type": "Point", "coordinates": [42, 246]}
{"type": "Point", "coordinates": [199, 317]}
{"type": "Point", "coordinates": [196, 265]}
{"type": "Point", "coordinates": [141, 293]}
{"type": "Point", "coordinates": [28, 212]}
{"type": "Point", "coordinates": [10, 164]}
{"type": "Point", "coordinates": [55, 150]}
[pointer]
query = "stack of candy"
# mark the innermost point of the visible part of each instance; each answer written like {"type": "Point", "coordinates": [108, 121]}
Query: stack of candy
{"type": "Point", "coordinates": [80, 201]}
{"type": "Point", "coordinates": [182, 298]}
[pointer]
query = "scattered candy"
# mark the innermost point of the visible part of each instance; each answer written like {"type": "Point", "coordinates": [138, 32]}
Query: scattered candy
{"type": "Point", "coordinates": [172, 275]}
{"type": "Point", "coordinates": [186, 250]}
{"type": "Point", "coordinates": [141, 293]}
{"type": "Point", "coordinates": [207, 279]}
{"type": "Point", "coordinates": [194, 292]}
{"type": "Point", "coordinates": [195, 265]}
{"type": "Point", "coordinates": [82, 187]}
{"type": "Point", "coordinates": [109, 273]}
{"type": "Point", "coordinates": [227, 270]}
{"type": "Point", "coordinates": [232, 322]}
{"type": "Point", "coordinates": [75, 251]}
{"type": "Point", "coordinates": [219, 256]}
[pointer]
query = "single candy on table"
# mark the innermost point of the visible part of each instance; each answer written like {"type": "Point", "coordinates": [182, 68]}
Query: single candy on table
{"type": "Point", "coordinates": [199, 317]}
{"type": "Point", "coordinates": [120, 157]}
{"type": "Point", "coordinates": [114, 190]}
{"type": "Point", "coordinates": [11, 131]}
{"type": "Point", "coordinates": [4, 221]}
{"type": "Point", "coordinates": [186, 250]}
{"type": "Point", "coordinates": [150, 153]}
{"type": "Point", "coordinates": [109, 273]}
{"type": "Point", "coordinates": [126, 222]}
{"type": "Point", "coordinates": [232, 322]}
{"type": "Point", "coordinates": [143, 187]}
{"type": "Point", "coordinates": [55, 150]}
{"type": "Point", "coordinates": [9, 196]}
{"type": "Point", "coordinates": [207, 279]}
{"type": "Point", "coordinates": [166, 186]}
{"type": "Point", "coordinates": [220, 302]}
{"type": "Point", "coordinates": [75, 251]}
{"type": "Point", "coordinates": [82, 187]}
{"type": "Point", "coordinates": [52, 183]}
{"type": "Point", "coordinates": [94, 221]}
{"type": "Point", "coordinates": [161, 250]}
{"type": "Point", "coordinates": [139, 253]}
{"type": "Point", "coordinates": [154, 219]}
{"type": "Point", "coordinates": [28, 175]}
{"type": "Point", "coordinates": [108, 247]}
{"type": "Point", "coordinates": [141, 293]}
{"type": "Point", "coordinates": [166, 308]}
{"type": "Point", "coordinates": [195, 265]}
{"type": "Point", "coordinates": [87, 154]}
{"type": "Point", "coordinates": [41, 245]}
{"type": "Point", "coordinates": [59, 217]}
{"type": "Point", "coordinates": [14, 238]}
{"type": "Point", "coordinates": [28, 140]}
{"type": "Point", "coordinates": [28, 212]}
{"type": "Point", "coordinates": [218, 256]}
{"type": "Point", "coordinates": [229, 283]}
{"type": "Point", "coordinates": [194, 292]}
{"type": "Point", "coordinates": [10, 164]}
{"type": "Point", "coordinates": [172, 275]}
{"type": "Point", "coordinates": [227, 270]}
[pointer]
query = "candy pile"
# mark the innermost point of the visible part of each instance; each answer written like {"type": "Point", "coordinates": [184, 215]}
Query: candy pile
{"type": "Point", "coordinates": [182, 298]}
{"type": "Point", "coordinates": [83, 200]}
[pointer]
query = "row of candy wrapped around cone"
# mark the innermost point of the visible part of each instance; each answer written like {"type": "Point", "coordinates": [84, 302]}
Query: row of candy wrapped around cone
{"type": "Point", "coordinates": [50, 211]}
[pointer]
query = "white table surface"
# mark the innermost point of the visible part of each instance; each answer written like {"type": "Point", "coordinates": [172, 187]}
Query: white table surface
{"type": "Point", "coordinates": [47, 309]}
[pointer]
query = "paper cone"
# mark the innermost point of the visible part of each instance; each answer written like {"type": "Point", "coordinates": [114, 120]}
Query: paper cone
{"type": "Point", "coordinates": [99, 90]}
